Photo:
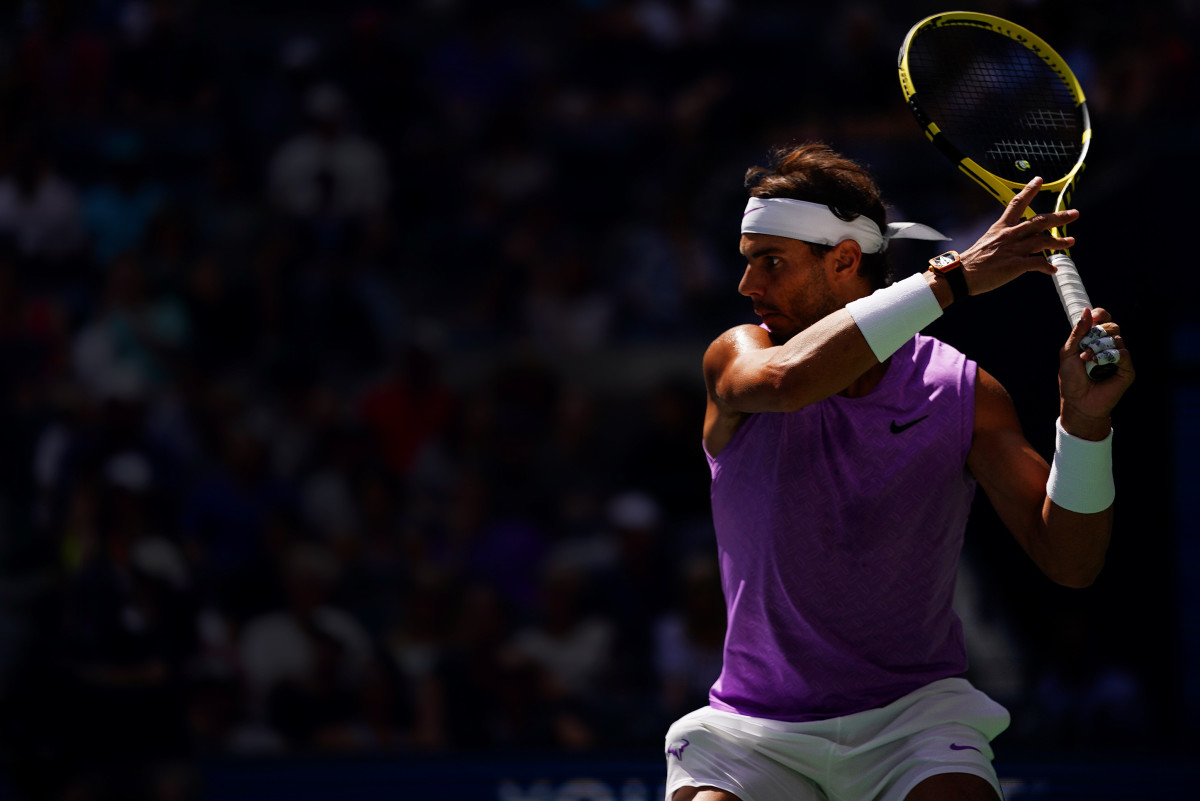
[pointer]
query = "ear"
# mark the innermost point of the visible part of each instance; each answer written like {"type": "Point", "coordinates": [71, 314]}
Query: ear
{"type": "Point", "coordinates": [844, 259]}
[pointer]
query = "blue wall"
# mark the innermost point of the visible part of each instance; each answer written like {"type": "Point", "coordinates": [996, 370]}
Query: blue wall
{"type": "Point", "coordinates": [623, 779]}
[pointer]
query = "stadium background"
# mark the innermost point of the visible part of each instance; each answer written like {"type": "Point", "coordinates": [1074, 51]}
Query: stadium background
{"type": "Point", "coordinates": [324, 476]}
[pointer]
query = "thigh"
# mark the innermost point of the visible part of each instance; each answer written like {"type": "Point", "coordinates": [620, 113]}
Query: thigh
{"type": "Point", "coordinates": [945, 729]}
{"type": "Point", "coordinates": [953, 787]}
{"type": "Point", "coordinates": [703, 794]}
{"type": "Point", "coordinates": [943, 764]}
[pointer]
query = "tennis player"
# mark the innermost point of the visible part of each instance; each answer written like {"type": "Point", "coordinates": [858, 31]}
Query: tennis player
{"type": "Point", "coordinates": [845, 448]}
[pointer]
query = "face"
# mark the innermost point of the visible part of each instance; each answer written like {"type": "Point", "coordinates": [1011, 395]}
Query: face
{"type": "Point", "coordinates": [787, 282]}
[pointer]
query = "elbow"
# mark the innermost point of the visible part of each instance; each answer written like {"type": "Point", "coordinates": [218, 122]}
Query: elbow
{"type": "Point", "coordinates": [1076, 577]}
{"type": "Point", "coordinates": [1076, 582]}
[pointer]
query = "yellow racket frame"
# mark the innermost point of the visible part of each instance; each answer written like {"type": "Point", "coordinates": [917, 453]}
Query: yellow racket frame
{"type": "Point", "coordinates": [1066, 278]}
{"type": "Point", "coordinates": [1002, 189]}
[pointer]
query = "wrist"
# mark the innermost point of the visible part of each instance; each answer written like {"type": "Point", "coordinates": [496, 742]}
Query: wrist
{"type": "Point", "coordinates": [940, 286]}
{"type": "Point", "coordinates": [949, 268]}
{"type": "Point", "coordinates": [889, 317]}
{"type": "Point", "coordinates": [1081, 478]}
{"type": "Point", "coordinates": [1084, 426]}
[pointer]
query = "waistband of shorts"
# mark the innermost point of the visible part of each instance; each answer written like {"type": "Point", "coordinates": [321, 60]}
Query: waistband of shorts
{"type": "Point", "coordinates": [751, 725]}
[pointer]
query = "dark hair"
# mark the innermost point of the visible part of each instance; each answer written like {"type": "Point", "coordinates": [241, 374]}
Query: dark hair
{"type": "Point", "coordinates": [816, 173]}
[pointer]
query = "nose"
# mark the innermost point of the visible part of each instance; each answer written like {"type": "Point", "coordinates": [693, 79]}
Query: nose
{"type": "Point", "coordinates": [750, 285]}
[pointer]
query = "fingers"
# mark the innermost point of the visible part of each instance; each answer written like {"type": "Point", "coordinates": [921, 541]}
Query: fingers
{"type": "Point", "coordinates": [1098, 345]}
{"type": "Point", "coordinates": [1106, 350]}
{"type": "Point", "coordinates": [1084, 327]}
{"type": "Point", "coordinates": [1013, 245]}
{"type": "Point", "coordinates": [1040, 232]}
{"type": "Point", "coordinates": [1118, 356]}
{"type": "Point", "coordinates": [1109, 356]}
{"type": "Point", "coordinates": [1040, 264]}
{"type": "Point", "coordinates": [1102, 343]}
{"type": "Point", "coordinates": [1017, 207]}
{"type": "Point", "coordinates": [1020, 201]}
{"type": "Point", "coordinates": [1042, 240]}
{"type": "Point", "coordinates": [1103, 333]}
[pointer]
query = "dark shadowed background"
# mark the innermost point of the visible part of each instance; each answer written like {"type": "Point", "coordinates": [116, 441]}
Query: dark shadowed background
{"type": "Point", "coordinates": [350, 397]}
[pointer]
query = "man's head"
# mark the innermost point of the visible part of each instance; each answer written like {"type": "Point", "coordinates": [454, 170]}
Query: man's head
{"type": "Point", "coordinates": [817, 174]}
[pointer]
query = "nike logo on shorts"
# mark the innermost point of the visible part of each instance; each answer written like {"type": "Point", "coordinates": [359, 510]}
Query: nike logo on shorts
{"type": "Point", "coordinates": [957, 747]}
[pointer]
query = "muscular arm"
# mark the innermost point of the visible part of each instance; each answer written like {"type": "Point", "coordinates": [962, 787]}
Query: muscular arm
{"type": "Point", "coordinates": [1067, 546]}
{"type": "Point", "coordinates": [746, 373]}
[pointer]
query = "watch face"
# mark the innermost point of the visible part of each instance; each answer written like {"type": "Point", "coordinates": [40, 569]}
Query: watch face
{"type": "Point", "coordinates": [944, 260]}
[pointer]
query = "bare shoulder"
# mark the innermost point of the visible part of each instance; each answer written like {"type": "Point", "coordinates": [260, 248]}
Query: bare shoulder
{"type": "Point", "coordinates": [721, 421]}
{"type": "Point", "coordinates": [1000, 455]}
{"type": "Point", "coordinates": [728, 345]}
{"type": "Point", "coordinates": [994, 407]}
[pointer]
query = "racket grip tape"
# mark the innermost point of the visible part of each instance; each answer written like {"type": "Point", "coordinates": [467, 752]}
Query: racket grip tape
{"type": "Point", "coordinates": [1074, 300]}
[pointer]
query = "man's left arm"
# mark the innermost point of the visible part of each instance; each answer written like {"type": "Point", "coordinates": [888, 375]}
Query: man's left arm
{"type": "Point", "coordinates": [1061, 513]}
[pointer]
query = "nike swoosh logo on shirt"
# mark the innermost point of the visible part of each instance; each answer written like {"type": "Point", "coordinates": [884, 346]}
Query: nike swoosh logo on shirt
{"type": "Point", "coordinates": [898, 428]}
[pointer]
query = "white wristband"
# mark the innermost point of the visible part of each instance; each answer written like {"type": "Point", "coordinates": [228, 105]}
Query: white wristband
{"type": "Point", "coordinates": [891, 316]}
{"type": "Point", "coordinates": [1081, 477]}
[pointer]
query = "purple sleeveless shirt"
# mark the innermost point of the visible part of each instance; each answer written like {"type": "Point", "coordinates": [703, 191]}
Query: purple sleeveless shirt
{"type": "Point", "coordinates": [838, 529]}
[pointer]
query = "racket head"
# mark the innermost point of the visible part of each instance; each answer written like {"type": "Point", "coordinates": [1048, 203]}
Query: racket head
{"type": "Point", "coordinates": [1004, 106]}
{"type": "Point", "coordinates": [997, 101]}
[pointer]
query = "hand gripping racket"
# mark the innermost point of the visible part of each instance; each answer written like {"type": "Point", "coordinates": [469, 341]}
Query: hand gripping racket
{"type": "Point", "coordinates": [1003, 105]}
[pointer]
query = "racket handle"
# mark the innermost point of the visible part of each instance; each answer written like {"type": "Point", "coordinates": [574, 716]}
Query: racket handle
{"type": "Point", "coordinates": [1074, 300]}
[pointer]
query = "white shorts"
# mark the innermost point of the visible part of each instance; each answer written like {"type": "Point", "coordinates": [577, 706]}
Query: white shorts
{"type": "Point", "coordinates": [877, 755]}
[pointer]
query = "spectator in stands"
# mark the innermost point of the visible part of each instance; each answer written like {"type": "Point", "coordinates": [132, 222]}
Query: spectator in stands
{"type": "Point", "coordinates": [304, 659]}
{"type": "Point", "coordinates": [329, 171]}
{"type": "Point", "coordinates": [41, 212]}
{"type": "Point", "coordinates": [119, 207]}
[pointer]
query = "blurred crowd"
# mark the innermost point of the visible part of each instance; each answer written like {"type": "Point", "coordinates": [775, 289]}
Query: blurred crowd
{"type": "Point", "coordinates": [349, 387]}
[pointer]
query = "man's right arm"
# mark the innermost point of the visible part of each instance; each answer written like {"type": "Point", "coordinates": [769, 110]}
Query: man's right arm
{"type": "Point", "coordinates": [746, 373]}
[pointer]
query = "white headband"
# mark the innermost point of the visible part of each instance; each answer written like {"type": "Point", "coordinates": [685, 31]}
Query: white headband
{"type": "Point", "coordinates": [815, 223]}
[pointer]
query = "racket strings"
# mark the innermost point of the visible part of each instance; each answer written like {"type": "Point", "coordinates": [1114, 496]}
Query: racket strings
{"type": "Point", "coordinates": [1042, 151]}
{"type": "Point", "coordinates": [997, 102]}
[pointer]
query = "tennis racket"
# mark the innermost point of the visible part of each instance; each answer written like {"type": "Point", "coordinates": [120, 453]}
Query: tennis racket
{"type": "Point", "coordinates": [1003, 106]}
